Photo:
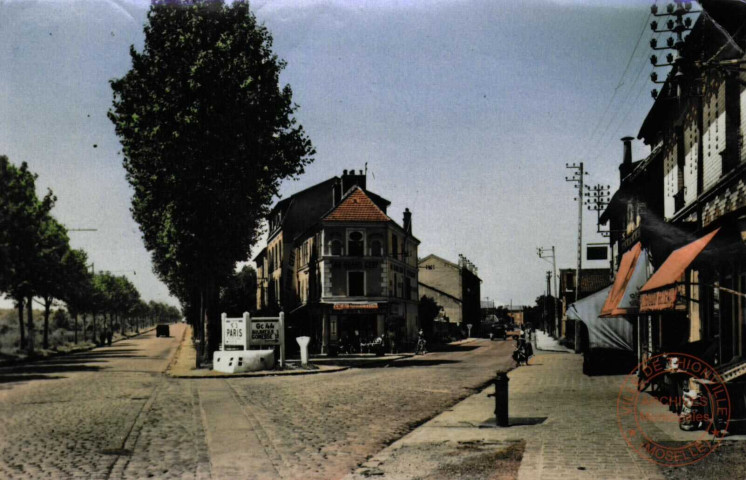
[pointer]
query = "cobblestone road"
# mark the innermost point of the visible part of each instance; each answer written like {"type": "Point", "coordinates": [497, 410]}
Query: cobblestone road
{"type": "Point", "coordinates": [111, 413]}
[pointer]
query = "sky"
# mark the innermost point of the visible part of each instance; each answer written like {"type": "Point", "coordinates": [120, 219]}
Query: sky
{"type": "Point", "coordinates": [465, 111]}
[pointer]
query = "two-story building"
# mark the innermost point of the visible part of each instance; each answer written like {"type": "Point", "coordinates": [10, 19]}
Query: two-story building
{"type": "Point", "coordinates": [349, 272]}
{"type": "Point", "coordinates": [693, 190]}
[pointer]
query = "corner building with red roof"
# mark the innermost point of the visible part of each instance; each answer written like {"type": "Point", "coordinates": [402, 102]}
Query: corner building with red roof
{"type": "Point", "coordinates": [344, 272]}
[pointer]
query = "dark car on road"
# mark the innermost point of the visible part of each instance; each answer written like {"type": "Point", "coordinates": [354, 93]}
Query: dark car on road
{"type": "Point", "coordinates": [499, 331]}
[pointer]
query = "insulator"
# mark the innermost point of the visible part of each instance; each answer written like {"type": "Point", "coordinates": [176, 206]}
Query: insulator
{"type": "Point", "coordinates": [653, 43]}
{"type": "Point", "coordinates": [670, 24]}
{"type": "Point", "coordinates": [669, 58]}
{"type": "Point", "coordinates": [654, 8]}
{"type": "Point", "coordinates": [670, 8]}
{"type": "Point", "coordinates": [654, 93]}
{"type": "Point", "coordinates": [654, 25]}
{"type": "Point", "coordinates": [654, 76]}
{"type": "Point", "coordinates": [688, 6]}
{"type": "Point", "coordinates": [653, 59]}
{"type": "Point", "coordinates": [688, 22]}
{"type": "Point", "coordinates": [670, 41]}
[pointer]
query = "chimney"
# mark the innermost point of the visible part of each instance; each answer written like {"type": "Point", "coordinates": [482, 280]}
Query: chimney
{"type": "Point", "coordinates": [407, 223]}
{"type": "Point", "coordinates": [336, 193]}
{"type": "Point", "coordinates": [626, 167]}
{"type": "Point", "coordinates": [350, 178]}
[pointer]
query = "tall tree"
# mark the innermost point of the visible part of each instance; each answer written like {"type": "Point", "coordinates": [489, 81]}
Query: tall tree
{"type": "Point", "coordinates": [207, 136]}
{"type": "Point", "coordinates": [78, 292]}
{"type": "Point", "coordinates": [22, 215]}
{"type": "Point", "coordinates": [48, 268]}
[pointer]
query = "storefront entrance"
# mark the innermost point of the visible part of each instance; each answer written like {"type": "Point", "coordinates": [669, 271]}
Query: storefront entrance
{"type": "Point", "coordinates": [354, 329]}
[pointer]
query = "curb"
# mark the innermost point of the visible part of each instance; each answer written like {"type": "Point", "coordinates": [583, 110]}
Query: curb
{"type": "Point", "coordinates": [270, 373]}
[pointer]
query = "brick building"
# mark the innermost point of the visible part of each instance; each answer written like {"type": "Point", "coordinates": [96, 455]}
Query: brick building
{"type": "Point", "coordinates": [686, 202]}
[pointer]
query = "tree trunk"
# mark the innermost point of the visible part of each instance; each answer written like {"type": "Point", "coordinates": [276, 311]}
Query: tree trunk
{"type": "Point", "coordinates": [213, 330]}
{"type": "Point", "coordinates": [47, 308]}
{"type": "Point", "coordinates": [30, 323]}
{"type": "Point", "coordinates": [82, 319]}
{"type": "Point", "coordinates": [93, 329]}
{"type": "Point", "coordinates": [75, 327]}
{"type": "Point", "coordinates": [21, 330]}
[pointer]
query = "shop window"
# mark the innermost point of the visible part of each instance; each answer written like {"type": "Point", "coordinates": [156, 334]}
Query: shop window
{"type": "Point", "coordinates": [356, 284]}
{"type": "Point", "coordinates": [355, 244]}
{"type": "Point", "coordinates": [336, 247]}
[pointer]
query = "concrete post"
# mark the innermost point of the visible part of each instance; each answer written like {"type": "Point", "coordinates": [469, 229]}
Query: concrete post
{"type": "Point", "coordinates": [303, 343]}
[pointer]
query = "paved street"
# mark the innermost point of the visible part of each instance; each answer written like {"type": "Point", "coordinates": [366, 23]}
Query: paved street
{"type": "Point", "coordinates": [111, 413]}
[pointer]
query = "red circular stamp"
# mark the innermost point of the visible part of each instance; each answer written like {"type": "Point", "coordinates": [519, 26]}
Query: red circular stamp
{"type": "Point", "coordinates": [673, 409]}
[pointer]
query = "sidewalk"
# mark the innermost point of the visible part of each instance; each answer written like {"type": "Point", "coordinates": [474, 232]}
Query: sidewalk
{"type": "Point", "coordinates": [184, 364]}
{"type": "Point", "coordinates": [565, 423]}
{"type": "Point", "coordinates": [548, 344]}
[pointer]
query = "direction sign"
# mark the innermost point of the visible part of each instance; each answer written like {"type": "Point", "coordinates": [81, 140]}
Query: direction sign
{"type": "Point", "coordinates": [235, 331]}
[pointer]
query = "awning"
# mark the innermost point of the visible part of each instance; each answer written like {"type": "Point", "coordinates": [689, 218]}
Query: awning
{"type": "Point", "coordinates": [661, 291]}
{"type": "Point", "coordinates": [631, 276]}
{"type": "Point", "coordinates": [615, 333]}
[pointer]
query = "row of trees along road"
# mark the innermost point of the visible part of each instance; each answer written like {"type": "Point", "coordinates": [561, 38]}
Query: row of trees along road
{"type": "Point", "coordinates": [37, 262]}
{"type": "Point", "coordinates": [207, 136]}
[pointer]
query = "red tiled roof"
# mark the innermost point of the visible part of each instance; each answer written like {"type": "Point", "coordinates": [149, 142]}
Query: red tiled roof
{"type": "Point", "coordinates": [356, 207]}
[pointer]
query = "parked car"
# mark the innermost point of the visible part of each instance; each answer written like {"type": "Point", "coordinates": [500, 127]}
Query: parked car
{"type": "Point", "coordinates": [499, 331]}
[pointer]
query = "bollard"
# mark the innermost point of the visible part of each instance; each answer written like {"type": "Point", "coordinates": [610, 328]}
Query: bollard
{"type": "Point", "coordinates": [501, 399]}
{"type": "Point", "coordinates": [303, 342]}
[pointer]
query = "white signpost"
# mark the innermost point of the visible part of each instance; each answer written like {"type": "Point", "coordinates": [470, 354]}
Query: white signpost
{"type": "Point", "coordinates": [469, 325]}
{"type": "Point", "coordinates": [241, 338]}
{"type": "Point", "coordinates": [235, 332]}
{"type": "Point", "coordinates": [268, 332]}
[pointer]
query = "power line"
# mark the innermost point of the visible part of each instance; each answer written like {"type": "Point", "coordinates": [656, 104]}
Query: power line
{"type": "Point", "coordinates": [619, 85]}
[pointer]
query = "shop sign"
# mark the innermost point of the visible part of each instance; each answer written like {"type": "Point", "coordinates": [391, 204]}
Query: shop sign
{"type": "Point", "coordinates": [353, 306]}
{"type": "Point", "coordinates": [660, 300]}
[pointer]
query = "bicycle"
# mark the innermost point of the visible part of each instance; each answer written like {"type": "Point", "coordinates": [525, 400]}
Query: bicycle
{"type": "Point", "coordinates": [420, 348]}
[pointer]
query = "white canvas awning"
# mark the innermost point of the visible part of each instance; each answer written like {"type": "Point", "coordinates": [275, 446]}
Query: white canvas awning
{"type": "Point", "coordinates": [615, 333]}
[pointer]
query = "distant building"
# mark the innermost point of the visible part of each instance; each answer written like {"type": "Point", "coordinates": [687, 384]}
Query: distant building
{"type": "Point", "coordinates": [591, 281]}
{"type": "Point", "coordinates": [454, 286]}
{"type": "Point", "coordinates": [340, 267]}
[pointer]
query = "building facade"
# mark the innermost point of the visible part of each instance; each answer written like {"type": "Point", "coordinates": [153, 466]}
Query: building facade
{"type": "Point", "coordinates": [340, 267]}
{"type": "Point", "coordinates": [686, 203]}
{"type": "Point", "coordinates": [455, 287]}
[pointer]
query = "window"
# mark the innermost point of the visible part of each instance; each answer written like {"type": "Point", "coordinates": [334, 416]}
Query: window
{"type": "Point", "coordinates": [355, 244]}
{"type": "Point", "coordinates": [356, 284]}
{"type": "Point", "coordinates": [394, 246]}
{"type": "Point", "coordinates": [407, 288]}
{"type": "Point", "coordinates": [376, 248]}
{"type": "Point", "coordinates": [336, 247]}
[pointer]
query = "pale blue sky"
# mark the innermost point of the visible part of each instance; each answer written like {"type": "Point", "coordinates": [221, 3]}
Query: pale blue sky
{"type": "Point", "coordinates": [465, 111]}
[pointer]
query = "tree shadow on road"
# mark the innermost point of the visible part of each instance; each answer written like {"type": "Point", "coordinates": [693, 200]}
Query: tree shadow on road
{"type": "Point", "coordinates": [26, 378]}
{"type": "Point", "coordinates": [420, 362]}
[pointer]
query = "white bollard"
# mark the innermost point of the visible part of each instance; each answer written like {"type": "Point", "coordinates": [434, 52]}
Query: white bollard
{"type": "Point", "coordinates": [303, 342]}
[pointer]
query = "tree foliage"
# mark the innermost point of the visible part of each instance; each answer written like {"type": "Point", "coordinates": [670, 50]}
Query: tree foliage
{"type": "Point", "coordinates": [239, 293]}
{"type": "Point", "coordinates": [207, 135]}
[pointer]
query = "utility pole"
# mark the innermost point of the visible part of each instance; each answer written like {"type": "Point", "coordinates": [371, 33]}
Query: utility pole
{"type": "Point", "coordinates": [546, 298]}
{"type": "Point", "coordinates": [578, 179]}
{"type": "Point", "coordinates": [544, 254]}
